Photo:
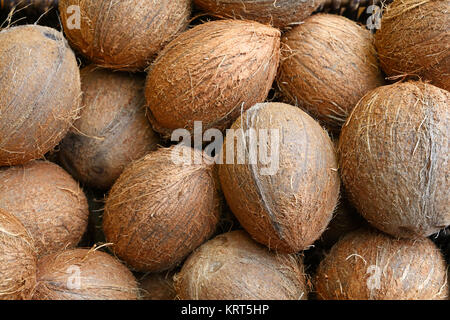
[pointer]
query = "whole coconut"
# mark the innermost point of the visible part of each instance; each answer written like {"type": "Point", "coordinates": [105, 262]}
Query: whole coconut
{"type": "Point", "coordinates": [211, 73]}
{"type": "Point", "coordinates": [159, 210]}
{"type": "Point", "coordinates": [394, 159]}
{"type": "Point", "coordinates": [48, 202]}
{"type": "Point", "coordinates": [158, 286]}
{"type": "Point", "coordinates": [124, 34]}
{"type": "Point", "coordinates": [328, 63]}
{"type": "Point", "coordinates": [286, 201]}
{"type": "Point", "coordinates": [112, 130]}
{"type": "Point", "coordinates": [367, 264]}
{"type": "Point", "coordinates": [40, 92]}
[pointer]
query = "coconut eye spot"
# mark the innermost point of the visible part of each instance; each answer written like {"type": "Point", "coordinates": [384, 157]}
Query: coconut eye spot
{"type": "Point", "coordinates": [50, 36]}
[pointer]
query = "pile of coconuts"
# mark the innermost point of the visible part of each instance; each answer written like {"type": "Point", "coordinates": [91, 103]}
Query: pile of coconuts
{"type": "Point", "coordinates": [224, 150]}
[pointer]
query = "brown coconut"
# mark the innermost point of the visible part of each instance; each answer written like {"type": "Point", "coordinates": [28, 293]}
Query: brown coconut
{"type": "Point", "coordinates": [158, 286]}
{"type": "Point", "coordinates": [369, 265]}
{"type": "Point", "coordinates": [212, 73]}
{"type": "Point", "coordinates": [49, 203]}
{"type": "Point", "coordinates": [17, 259]}
{"type": "Point", "coordinates": [288, 208]}
{"type": "Point", "coordinates": [234, 267]}
{"type": "Point", "coordinates": [414, 40]}
{"type": "Point", "coordinates": [83, 274]}
{"type": "Point", "coordinates": [394, 158]}
{"type": "Point", "coordinates": [123, 35]}
{"type": "Point", "coordinates": [112, 130]}
{"type": "Point", "coordinates": [159, 210]}
{"type": "Point", "coordinates": [39, 99]}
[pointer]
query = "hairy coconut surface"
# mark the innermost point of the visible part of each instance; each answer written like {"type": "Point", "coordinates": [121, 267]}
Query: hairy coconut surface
{"type": "Point", "coordinates": [49, 203]}
{"type": "Point", "coordinates": [112, 130]}
{"type": "Point", "coordinates": [367, 264]}
{"type": "Point", "coordinates": [394, 158]}
{"type": "Point", "coordinates": [40, 92]}
{"type": "Point", "coordinates": [158, 286]}
{"type": "Point", "coordinates": [211, 73]}
{"type": "Point", "coordinates": [289, 207]}
{"type": "Point", "coordinates": [414, 40]}
{"type": "Point", "coordinates": [328, 63]}
{"type": "Point", "coordinates": [124, 34]}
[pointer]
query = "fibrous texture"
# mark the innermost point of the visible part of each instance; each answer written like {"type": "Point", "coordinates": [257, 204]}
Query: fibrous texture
{"type": "Point", "coordinates": [158, 286]}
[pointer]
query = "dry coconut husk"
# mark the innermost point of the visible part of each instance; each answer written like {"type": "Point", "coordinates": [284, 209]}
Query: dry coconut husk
{"type": "Point", "coordinates": [394, 158]}
{"type": "Point", "coordinates": [158, 286]}
{"type": "Point", "coordinates": [40, 92]}
{"type": "Point", "coordinates": [414, 40]}
{"type": "Point", "coordinates": [286, 209]}
{"type": "Point", "coordinates": [367, 264]}
{"type": "Point", "coordinates": [159, 210]}
{"type": "Point", "coordinates": [123, 35]}
{"type": "Point", "coordinates": [328, 63]}
{"type": "Point", "coordinates": [49, 203]}
{"type": "Point", "coordinates": [211, 73]}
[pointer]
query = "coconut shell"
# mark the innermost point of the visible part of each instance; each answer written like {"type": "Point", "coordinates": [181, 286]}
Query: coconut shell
{"type": "Point", "coordinates": [48, 202]}
{"type": "Point", "coordinates": [158, 286]}
{"type": "Point", "coordinates": [369, 265]}
{"type": "Point", "coordinates": [211, 73]}
{"type": "Point", "coordinates": [414, 40]}
{"type": "Point", "coordinates": [289, 208]}
{"type": "Point", "coordinates": [39, 99]}
{"type": "Point", "coordinates": [112, 130]}
{"type": "Point", "coordinates": [394, 159]}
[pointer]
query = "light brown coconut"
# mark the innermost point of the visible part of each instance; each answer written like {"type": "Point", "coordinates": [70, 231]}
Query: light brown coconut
{"type": "Point", "coordinates": [49, 203]}
{"type": "Point", "coordinates": [211, 73]}
{"type": "Point", "coordinates": [112, 130]}
{"type": "Point", "coordinates": [123, 35]}
{"type": "Point", "coordinates": [370, 265]}
{"type": "Point", "coordinates": [40, 92]}
{"type": "Point", "coordinates": [394, 158]}
{"type": "Point", "coordinates": [83, 274]}
{"type": "Point", "coordinates": [234, 267]}
{"type": "Point", "coordinates": [414, 40]}
{"type": "Point", "coordinates": [288, 208]}
{"type": "Point", "coordinates": [158, 286]}
{"type": "Point", "coordinates": [159, 210]}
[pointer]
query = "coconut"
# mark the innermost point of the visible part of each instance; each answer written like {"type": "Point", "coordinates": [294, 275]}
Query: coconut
{"type": "Point", "coordinates": [394, 158]}
{"type": "Point", "coordinates": [40, 92]}
{"type": "Point", "coordinates": [367, 264]}
{"type": "Point", "coordinates": [158, 286]}
{"type": "Point", "coordinates": [211, 73]}
{"type": "Point", "coordinates": [123, 35]}
{"type": "Point", "coordinates": [414, 40]}
{"type": "Point", "coordinates": [48, 202]}
{"type": "Point", "coordinates": [83, 274]}
{"type": "Point", "coordinates": [328, 63]}
{"type": "Point", "coordinates": [112, 130]}
{"type": "Point", "coordinates": [284, 196]}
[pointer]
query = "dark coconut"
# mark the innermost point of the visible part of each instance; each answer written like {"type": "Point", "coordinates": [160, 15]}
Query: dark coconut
{"type": "Point", "coordinates": [158, 286]}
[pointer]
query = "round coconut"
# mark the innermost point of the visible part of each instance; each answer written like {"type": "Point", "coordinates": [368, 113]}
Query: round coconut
{"type": "Point", "coordinates": [83, 274]}
{"type": "Point", "coordinates": [123, 35]}
{"type": "Point", "coordinates": [49, 203]}
{"type": "Point", "coordinates": [414, 40]}
{"type": "Point", "coordinates": [283, 192]}
{"type": "Point", "coordinates": [40, 93]}
{"type": "Point", "coordinates": [328, 63]}
{"type": "Point", "coordinates": [234, 267]}
{"type": "Point", "coordinates": [158, 286]}
{"type": "Point", "coordinates": [161, 208]}
{"type": "Point", "coordinates": [112, 130]}
{"type": "Point", "coordinates": [394, 159]}
{"type": "Point", "coordinates": [211, 73]}
{"type": "Point", "coordinates": [17, 259]}
{"type": "Point", "coordinates": [370, 265]}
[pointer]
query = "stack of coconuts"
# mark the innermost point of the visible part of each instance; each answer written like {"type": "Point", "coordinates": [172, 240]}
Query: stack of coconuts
{"type": "Point", "coordinates": [303, 100]}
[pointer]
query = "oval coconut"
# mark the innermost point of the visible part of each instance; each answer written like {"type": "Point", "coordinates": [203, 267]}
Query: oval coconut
{"type": "Point", "coordinates": [394, 158]}
{"type": "Point", "coordinates": [211, 73]}
{"type": "Point", "coordinates": [158, 286]}
{"type": "Point", "coordinates": [49, 203]}
{"type": "Point", "coordinates": [159, 210]}
{"type": "Point", "coordinates": [40, 94]}
{"type": "Point", "coordinates": [369, 265]}
{"type": "Point", "coordinates": [112, 130]}
{"type": "Point", "coordinates": [414, 40]}
{"type": "Point", "coordinates": [123, 35]}
{"type": "Point", "coordinates": [284, 204]}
